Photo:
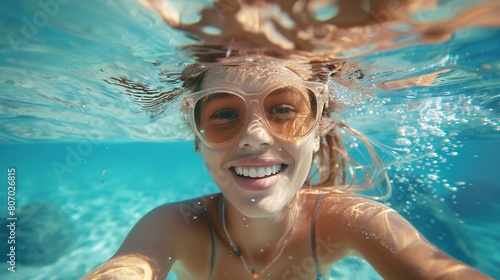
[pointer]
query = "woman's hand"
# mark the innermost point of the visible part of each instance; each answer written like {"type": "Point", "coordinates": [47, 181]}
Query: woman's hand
{"type": "Point", "coordinates": [132, 267]}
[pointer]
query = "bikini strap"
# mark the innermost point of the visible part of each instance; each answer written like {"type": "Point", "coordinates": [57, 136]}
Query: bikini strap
{"type": "Point", "coordinates": [313, 234]}
{"type": "Point", "coordinates": [212, 238]}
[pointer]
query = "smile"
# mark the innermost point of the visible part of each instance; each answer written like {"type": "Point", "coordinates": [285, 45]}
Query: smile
{"type": "Point", "coordinates": [257, 171]}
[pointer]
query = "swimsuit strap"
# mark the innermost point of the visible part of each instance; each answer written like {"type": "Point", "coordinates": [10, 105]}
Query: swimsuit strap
{"type": "Point", "coordinates": [313, 236]}
{"type": "Point", "coordinates": [212, 238]}
{"type": "Point", "coordinates": [313, 239]}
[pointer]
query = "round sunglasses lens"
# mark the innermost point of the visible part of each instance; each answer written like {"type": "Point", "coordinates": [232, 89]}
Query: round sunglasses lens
{"type": "Point", "coordinates": [290, 112]}
{"type": "Point", "coordinates": [219, 116]}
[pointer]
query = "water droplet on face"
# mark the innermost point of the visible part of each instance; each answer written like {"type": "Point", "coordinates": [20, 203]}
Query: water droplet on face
{"type": "Point", "coordinates": [195, 217]}
{"type": "Point", "coordinates": [252, 199]}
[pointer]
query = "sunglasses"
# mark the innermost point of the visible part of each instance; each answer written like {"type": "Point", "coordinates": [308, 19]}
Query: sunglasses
{"type": "Point", "coordinates": [219, 115]}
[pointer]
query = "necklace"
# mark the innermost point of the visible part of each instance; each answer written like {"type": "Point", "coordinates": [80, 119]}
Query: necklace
{"type": "Point", "coordinates": [254, 272]}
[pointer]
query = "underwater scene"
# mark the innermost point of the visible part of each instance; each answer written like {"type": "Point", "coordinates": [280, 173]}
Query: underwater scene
{"type": "Point", "coordinates": [92, 135]}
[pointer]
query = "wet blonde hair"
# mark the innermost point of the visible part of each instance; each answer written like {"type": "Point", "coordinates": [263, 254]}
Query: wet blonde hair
{"type": "Point", "coordinates": [332, 168]}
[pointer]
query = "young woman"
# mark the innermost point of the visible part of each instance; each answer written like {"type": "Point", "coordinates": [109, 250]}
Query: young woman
{"type": "Point", "coordinates": [264, 129]}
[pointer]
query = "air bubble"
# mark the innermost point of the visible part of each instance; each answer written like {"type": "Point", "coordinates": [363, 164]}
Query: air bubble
{"type": "Point", "coordinates": [403, 142]}
{"type": "Point", "coordinates": [432, 176]}
{"type": "Point", "coordinates": [211, 30]}
{"type": "Point", "coordinates": [323, 11]}
{"type": "Point", "coordinates": [407, 131]}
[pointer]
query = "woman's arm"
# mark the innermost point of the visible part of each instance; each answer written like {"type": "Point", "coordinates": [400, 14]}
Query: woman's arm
{"type": "Point", "coordinates": [147, 252]}
{"type": "Point", "coordinates": [390, 243]}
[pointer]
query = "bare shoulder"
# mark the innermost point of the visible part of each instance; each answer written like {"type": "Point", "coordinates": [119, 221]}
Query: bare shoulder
{"type": "Point", "coordinates": [387, 240]}
{"type": "Point", "coordinates": [348, 217]}
{"type": "Point", "coordinates": [345, 200]}
{"type": "Point", "coordinates": [167, 222]}
{"type": "Point", "coordinates": [168, 233]}
{"type": "Point", "coordinates": [363, 222]}
{"type": "Point", "coordinates": [351, 209]}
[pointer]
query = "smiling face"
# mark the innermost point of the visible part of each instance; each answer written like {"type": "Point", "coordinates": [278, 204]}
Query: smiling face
{"type": "Point", "coordinates": [258, 173]}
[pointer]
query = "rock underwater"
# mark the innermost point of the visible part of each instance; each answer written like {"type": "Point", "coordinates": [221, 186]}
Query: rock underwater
{"type": "Point", "coordinates": [43, 233]}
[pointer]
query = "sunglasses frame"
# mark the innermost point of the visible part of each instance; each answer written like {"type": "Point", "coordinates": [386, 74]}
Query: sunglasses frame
{"type": "Point", "coordinates": [189, 101]}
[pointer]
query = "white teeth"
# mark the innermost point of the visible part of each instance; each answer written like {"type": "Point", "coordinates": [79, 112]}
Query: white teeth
{"type": "Point", "coordinates": [252, 173]}
{"type": "Point", "coordinates": [269, 171]}
{"type": "Point", "coordinates": [257, 172]}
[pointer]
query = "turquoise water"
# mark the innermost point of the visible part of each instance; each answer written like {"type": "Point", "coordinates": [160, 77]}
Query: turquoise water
{"type": "Point", "coordinates": [141, 176]}
{"type": "Point", "coordinates": [77, 142]}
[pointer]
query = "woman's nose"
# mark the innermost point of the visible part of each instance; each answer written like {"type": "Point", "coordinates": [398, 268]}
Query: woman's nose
{"type": "Point", "coordinates": [255, 135]}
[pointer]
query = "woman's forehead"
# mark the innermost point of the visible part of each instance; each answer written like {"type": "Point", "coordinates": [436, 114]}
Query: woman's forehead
{"type": "Point", "coordinates": [251, 77]}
